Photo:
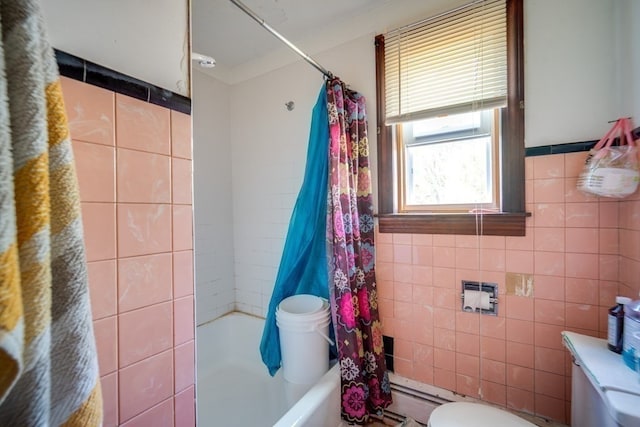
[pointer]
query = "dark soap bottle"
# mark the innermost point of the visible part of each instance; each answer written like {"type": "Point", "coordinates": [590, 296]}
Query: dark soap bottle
{"type": "Point", "coordinates": [616, 324]}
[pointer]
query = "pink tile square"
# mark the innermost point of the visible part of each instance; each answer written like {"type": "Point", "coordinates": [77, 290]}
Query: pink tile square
{"type": "Point", "coordinates": [90, 111]}
{"type": "Point", "coordinates": [423, 373]}
{"type": "Point", "coordinates": [549, 214]}
{"type": "Point", "coordinates": [185, 408]}
{"type": "Point", "coordinates": [444, 318]}
{"type": "Point", "coordinates": [492, 259]}
{"type": "Point", "coordinates": [444, 359]}
{"type": "Point", "coordinates": [423, 325]}
{"type": "Point", "coordinates": [95, 167]}
{"type": "Point", "coordinates": [402, 310]}
{"type": "Point", "coordinates": [403, 292]}
{"type": "Point", "coordinates": [549, 263]}
{"type": "Point", "coordinates": [520, 331]}
{"type": "Point", "coordinates": [403, 349]}
{"type": "Point", "coordinates": [467, 258]}
{"type": "Point", "coordinates": [583, 316]}
{"type": "Point", "coordinates": [519, 261]}
{"type": "Point", "coordinates": [422, 355]}
{"type": "Point", "coordinates": [184, 357]}
{"type": "Point", "coordinates": [444, 339]}
{"type": "Point", "coordinates": [467, 385]}
{"type": "Point", "coordinates": [549, 384]}
{"type": "Point", "coordinates": [109, 385]}
{"type": "Point", "coordinates": [550, 407]}
{"type": "Point", "coordinates": [444, 378]}
{"type": "Point", "coordinates": [548, 336]}
{"type": "Point", "coordinates": [145, 384]}
{"type": "Point", "coordinates": [467, 322]}
{"type": "Point", "coordinates": [468, 344]}
{"type": "Point", "coordinates": [106, 333]}
{"type": "Point", "coordinates": [608, 290]}
{"type": "Point", "coordinates": [520, 377]}
{"type": "Point", "coordinates": [182, 227]}
{"type": "Point", "coordinates": [444, 298]}
{"type": "Point", "coordinates": [464, 241]}
{"type": "Point", "coordinates": [183, 320]}
{"type": "Point", "coordinates": [608, 241]}
{"type": "Point", "coordinates": [583, 291]}
{"type": "Point", "coordinates": [549, 239]}
{"type": "Point", "coordinates": [182, 181]}
{"type": "Point", "coordinates": [423, 295]}
{"type": "Point", "coordinates": [608, 214]}
{"type": "Point", "coordinates": [402, 273]}
{"type": "Point", "coordinates": [143, 229]}
{"type": "Point", "coordinates": [494, 392]}
{"type": "Point", "coordinates": [144, 281]}
{"type": "Point", "coordinates": [493, 370]}
{"type": "Point", "coordinates": [528, 168]}
{"type": "Point", "coordinates": [550, 166]}
{"type": "Point", "coordinates": [549, 287]}
{"type": "Point", "coordinates": [520, 400]}
{"type": "Point", "coordinates": [383, 237]}
{"type": "Point", "coordinates": [584, 266]}
{"type": "Point", "coordinates": [520, 354]}
{"type": "Point", "coordinates": [142, 126]}
{"type": "Point", "coordinates": [384, 252]}
{"type": "Point", "coordinates": [403, 367]}
{"type": "Point", "coordinates": [160, 415]}
{"type": "Point", "coordinates": [402, 254]}
{"type": "Point", "coordinates": [145, 332]}
{"type": "Point", "coordinates": [608, 267]}
{"type": "Point", "coordinates": [385, 288]}
{"type": "Point", "coordinates": [630, 244]}
{"type": "Point", "coordinates": [183, 274]}
{"type": "Point", "coordinates": [181, 135]}
{"type": "Point", "coordinates": [467, 365]}
{"type": "Point", "coordinates": [494, 327]}
{"type": "Point", "coordinates": [550, 360]}
{"type": "Point", "coordinates": [492, 242]}
{"type": "Point", "coordinates": [421, 275]}
{"type": "Point", "coordinates": [493, 349]}
{"type": "Point", "coordinates": [549, 190]}
{"type": "Point", "coordinates": [402, 239]}
{"type": "Point", "coordinates": [520, 243]}
{"type": "Point", "coordinates": [99, 221]}
{"type": "Point", "coordinates": [102, 288]}
{"type": "Point", "coordinates": [573, 195]}
{"type": "Point", "coordinates": [422, 239]}
{"type": "Point", "coordinates": [444, 240]}
{"type": "Point", "coordinates": [518, 307]}
{"type": "Point", "coordinates": [444, 257]}
{"type": "Point", "coordinates": [444, 277]}
{"type": "Point", "coordinates": [582, 240]}
{"type": "Point", "coordinates": [582, 215]}
{"type": "Point", "coordinates": [143, 177]}
{"type": "Point", "coordinates": [384, 271]}
{"type": "Point", "coordinates": [574, 163]}
{"type": "Point", "coordinates": [528, 191]}
{"type": "Point", "coordinates": [550, 312]}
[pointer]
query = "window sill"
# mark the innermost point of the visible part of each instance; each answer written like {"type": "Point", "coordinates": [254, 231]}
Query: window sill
{"type": "Point", "coordinates": [494, 224]}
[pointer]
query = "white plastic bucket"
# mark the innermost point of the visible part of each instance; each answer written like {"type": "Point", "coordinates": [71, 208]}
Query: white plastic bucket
{"type": "Point", "coordinates": [304, 338]}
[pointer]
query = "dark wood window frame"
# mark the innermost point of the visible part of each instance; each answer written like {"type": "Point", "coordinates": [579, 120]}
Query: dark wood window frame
{"type": "Point", "coordinates": [512, 220]}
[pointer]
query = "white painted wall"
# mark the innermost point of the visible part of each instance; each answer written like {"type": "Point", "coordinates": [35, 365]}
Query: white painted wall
{"type": "Point", "coordinates": [269, 146]}
{"type": "Point", "coordinates": [148, 40]}
{"type": "Point", "coordinates": [214, 276]}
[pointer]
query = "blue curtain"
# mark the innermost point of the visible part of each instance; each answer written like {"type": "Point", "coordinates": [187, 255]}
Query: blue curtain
{"type": "Point", "coordinates": [303, 267]}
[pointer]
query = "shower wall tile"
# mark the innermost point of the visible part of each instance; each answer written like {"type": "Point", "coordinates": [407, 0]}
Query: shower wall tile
{"type": "Point", "coordinates": [182, 227]}
{"type": "Point", "coordinates": [145, 332]}
{"type": "Point", "coordinates": [103, 288]}
{"type": "Point", "coordinates": [185, 408]}
{"type": "Point", "coordinates": [96, 171]}
{"type": "Point", "coordinates": [143, 177]}
{"type": "Point", "coordinates": [183, 312]}
{"type": "Point", "coordinates": [160, 415]}
{"type": "Point", "coordinates": [181, 135]}
{"type": "Point", "coordinates": [109, 385]}
{"type": "Point", "coordinates": [145, 384]}
{"type": "Point", "coordinates": [90, 112]}
{"type": "Point", "coordinates": [99, 221]}
{"type": "Point", "coordinates": [143, 229]}
{"type": "Point", "coordinates": [144, 281]}
{"type": "Point", "coordinates": [134, 275]}
{"type": "Point", "coordinates": [182, 179]}
{"type": "Point", "coordinates": [142, 126]}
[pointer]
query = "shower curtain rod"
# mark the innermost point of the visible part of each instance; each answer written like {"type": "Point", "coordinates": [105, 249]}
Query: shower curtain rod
{"type": "Point", "coordinates": [280, 37]}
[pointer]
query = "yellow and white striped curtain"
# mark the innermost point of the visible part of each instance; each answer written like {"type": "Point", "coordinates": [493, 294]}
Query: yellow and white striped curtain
{"type": "Point", "coordinates": [48, 364]}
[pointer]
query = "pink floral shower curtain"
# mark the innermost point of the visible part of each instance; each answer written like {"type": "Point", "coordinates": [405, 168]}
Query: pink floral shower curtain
{"type": "Point", "coordinates": [350, 246]}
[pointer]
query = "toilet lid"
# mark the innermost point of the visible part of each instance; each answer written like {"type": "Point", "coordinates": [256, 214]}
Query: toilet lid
{"type": "Point", "coordinates": [465, 414]}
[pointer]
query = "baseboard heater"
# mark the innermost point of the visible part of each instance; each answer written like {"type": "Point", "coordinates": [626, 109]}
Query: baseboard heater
{"type": "Point", "coordinates": [409, 401]}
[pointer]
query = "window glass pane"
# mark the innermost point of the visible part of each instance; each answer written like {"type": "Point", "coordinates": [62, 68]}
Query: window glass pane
{"type": "Point", "coordinates": [455, 172]}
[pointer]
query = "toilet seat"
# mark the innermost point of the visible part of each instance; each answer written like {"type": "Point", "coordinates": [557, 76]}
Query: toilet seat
{"type": "Point", "coordinates": [465, 414]}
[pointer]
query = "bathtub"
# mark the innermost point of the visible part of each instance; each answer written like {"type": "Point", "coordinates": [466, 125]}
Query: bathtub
{"type": "Point", "coordinates": [235, 389]}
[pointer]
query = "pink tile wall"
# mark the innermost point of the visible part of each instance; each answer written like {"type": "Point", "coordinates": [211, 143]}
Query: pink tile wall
{"type": "Point", "coordinates": [582, 251]}
{"type": "Point", "coordinates": [134, 169]}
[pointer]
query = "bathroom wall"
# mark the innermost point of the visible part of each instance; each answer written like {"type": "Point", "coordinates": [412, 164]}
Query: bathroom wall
{"type": "Point", "coordinates": [134, 168]}
{"type": "Point", "coordinates": [515, 359]}
{"type": "Point", "coordinates": [212, 192]}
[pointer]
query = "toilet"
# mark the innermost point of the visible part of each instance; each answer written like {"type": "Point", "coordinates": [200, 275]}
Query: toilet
{"type": "Point", "coordinates": [466, 414]}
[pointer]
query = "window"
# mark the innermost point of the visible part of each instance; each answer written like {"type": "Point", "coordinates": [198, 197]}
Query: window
{"type": "Point", "coordinates": [451, 122]}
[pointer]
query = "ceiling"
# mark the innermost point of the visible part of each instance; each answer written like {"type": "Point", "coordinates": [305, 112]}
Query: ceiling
{"type": "Point", "coordinates": [244, 49]}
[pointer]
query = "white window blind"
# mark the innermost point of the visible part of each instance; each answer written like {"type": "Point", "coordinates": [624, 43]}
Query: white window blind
{"type": "Point", "coordinates": [452, 63]}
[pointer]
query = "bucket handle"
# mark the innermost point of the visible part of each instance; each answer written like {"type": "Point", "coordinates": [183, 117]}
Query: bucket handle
{"type": "Point", "coordinates": [315, 328]}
